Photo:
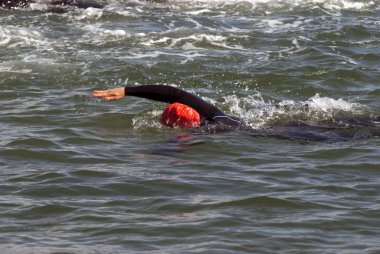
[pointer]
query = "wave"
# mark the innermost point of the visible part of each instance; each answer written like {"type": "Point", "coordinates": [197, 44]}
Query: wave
{"type": "Point", "coordinates": [199, 7]}
{"type": "Point", "coordinates": [222, 31]}
{"type": "Point", "coordinates": [289, 4]}
{"type": "Point", "coordinates": [268, 5]}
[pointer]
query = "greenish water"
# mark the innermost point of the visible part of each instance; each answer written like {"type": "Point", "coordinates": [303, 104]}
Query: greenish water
{"type": "Point", "coordinates": [79, 175]}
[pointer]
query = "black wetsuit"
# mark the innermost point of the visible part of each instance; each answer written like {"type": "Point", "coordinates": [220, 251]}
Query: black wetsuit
{"type": "Point", "coordinates": [208, 112]}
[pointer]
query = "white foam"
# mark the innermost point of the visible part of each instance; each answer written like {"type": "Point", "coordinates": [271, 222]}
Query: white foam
{"type": "Point", "coordinates": [150, 119]}
{"type": "Point", "coordinates": [339, 5]}
{"type": "Point", "coordinates": [39, 6]}
{"type": "Point", "coordinates": [196, 23]}
{"type": "Point", "coordinates": [199, 12]}
{"type": "Point", "coordinates": [90, 13]}
{"type": "Point", "coordinates": [202, 7]}
{"type": "Point", "coordinates": [39, 60]}
{"type": "Point", "coordinates": [191, 41]}
{"type": "Point", "coordinates": [257, 112]}
{"type": "Point", "coordinates": [271, 5]}
{"type": "Point", "coordinates": [4, 40]}
{"type": "Point", "coordinates": [345, 59]}
{"type": "Point", "coordinates": [125, 13]}
{"type": "Point", "coordinates": [330, 105]}
{"type": "Point", "coordinates": [150, 55]}
{"type": "Point", "coordinates": [252, 109]}
{"type": "Point", "coordinates": [139, 55]}
{"type": "Point", "coordinates": [103, 32]}
{"type": "Point", "coordinates": [277, 25]}
{"type": "Point", "coordinates": [13, 37]}
{"type": "Point", "coordinates": [9, 67]}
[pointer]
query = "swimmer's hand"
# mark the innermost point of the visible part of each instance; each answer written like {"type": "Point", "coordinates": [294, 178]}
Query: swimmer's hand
{"type": "Point", "coordinates": [113, 94]}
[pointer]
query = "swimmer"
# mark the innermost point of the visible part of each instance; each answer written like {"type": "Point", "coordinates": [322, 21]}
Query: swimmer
{"type": "Point", "coordinates": [185, 110]}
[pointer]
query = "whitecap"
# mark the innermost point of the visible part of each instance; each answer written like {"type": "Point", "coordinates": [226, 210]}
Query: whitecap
{"type": "Point", "coordinates": [191, 41]}
{"type": "Point", "coordinates": [12, 37]}
{"type": "Point", "coordinates": [9, 66]}
{"type": "Point", "coordinates": [269, 6]}
{"type": "Point", "coordinates": [39, 6]}
{"type": "Point", "coordinates": [97, 30]}
{"type": "Point", "coordinates": [330, 105]}
{"type": "Point", "coordinates": [90, 13]}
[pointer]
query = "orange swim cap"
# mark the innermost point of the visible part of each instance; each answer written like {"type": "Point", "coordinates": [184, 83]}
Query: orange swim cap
{"type": "Point", "coordinates": [180, 115]}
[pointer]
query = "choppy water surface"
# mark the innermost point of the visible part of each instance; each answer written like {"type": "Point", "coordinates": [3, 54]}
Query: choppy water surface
{"type": "Point", "coordinates": [79, 175]}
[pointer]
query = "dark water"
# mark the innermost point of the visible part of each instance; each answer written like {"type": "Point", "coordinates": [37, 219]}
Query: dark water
{"type": "Point", "coordinates": [79, 175]}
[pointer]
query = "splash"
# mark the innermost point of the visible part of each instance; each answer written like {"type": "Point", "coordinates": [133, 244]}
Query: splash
{"type": "Point", "coordinates": [329, 106]}
{"type": "Point", "coordinates": [258, 113]}
{"type": "Point", "coordinates": [149, 120]}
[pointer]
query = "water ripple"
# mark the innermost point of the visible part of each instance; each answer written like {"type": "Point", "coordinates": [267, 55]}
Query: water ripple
{"type": "Point", "coordinates": [79, 175]}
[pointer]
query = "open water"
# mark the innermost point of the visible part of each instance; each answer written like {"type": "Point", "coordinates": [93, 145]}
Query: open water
{"type": "Point", "coordinates": [79, 175]}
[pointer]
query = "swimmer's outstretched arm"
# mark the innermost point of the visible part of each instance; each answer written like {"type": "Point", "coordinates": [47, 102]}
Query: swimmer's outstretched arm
{"type": "Point", "coordinates": [110, 94]}
{"type": "Point", "coordinates": [161, 93]}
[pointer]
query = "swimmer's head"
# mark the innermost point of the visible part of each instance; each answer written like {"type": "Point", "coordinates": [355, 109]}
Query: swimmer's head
{"type": "Point", "coordinates": [180, 115]}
